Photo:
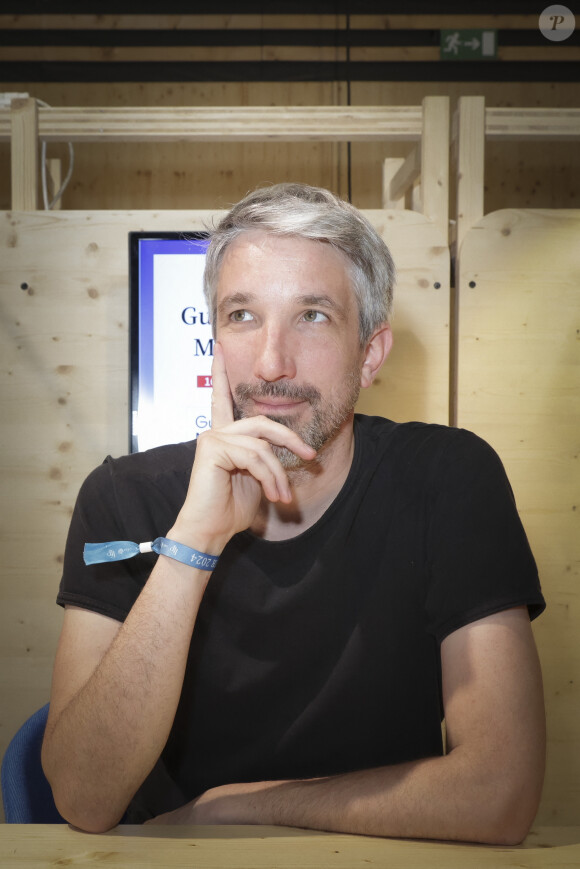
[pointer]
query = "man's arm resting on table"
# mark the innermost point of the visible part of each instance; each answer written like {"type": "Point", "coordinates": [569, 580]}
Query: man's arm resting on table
{"type": "Point", "coordinates": [485, 789]}
{"type": "Point", "coordinates": [116, 687]}
{"type": "Point", "coordinates": [114, 693]}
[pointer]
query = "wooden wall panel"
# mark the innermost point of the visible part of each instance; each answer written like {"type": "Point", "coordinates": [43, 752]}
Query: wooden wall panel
{"type": "Point", "coordinates": [64, 387]}
{"type": "Point", "coordinates": [519, 388]}
{"type": "Point", "coordinates": [175, 176]}
{"type": "Point", "coordinates": [413, 383]}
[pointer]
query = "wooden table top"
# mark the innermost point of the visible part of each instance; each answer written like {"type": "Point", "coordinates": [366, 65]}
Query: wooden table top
{"type": "Point", "coordinates": [39, 846]}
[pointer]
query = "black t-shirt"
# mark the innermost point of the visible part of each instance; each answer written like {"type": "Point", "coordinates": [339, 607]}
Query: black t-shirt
{"type": "Point", "coordinates": [319, 654]}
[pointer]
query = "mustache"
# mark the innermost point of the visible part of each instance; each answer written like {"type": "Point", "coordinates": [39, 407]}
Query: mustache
{"type": "Point", "coordinates": [278, 389]}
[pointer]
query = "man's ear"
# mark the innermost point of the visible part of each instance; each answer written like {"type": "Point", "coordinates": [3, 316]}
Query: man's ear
{"type": "Point", "coordinates": [377, 350]}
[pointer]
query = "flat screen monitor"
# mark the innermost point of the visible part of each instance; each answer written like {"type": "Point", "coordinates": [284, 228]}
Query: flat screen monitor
{"type": "Point", "coordinates": [171, 344]}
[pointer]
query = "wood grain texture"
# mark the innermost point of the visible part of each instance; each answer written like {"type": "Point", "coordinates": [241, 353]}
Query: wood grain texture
{"type": "Point", "coordinates": [413, 383]}
{"type": "Point", "coordinates": [258, 847]}
{"type": "Point", "coordinates": [519, 388]}
{"type": "Point", "coordinates": [469, 137]}
{"type": "Point", "coordinates": [521, 174]}
{"type": "Point", "coordinates": [234, 123]}
{"type": "Point", "coordinates": [391, 167]}
{"type": "Point", "coordinates": [24, 153]}
{"type": "Point", "coordinates": [434, 197]}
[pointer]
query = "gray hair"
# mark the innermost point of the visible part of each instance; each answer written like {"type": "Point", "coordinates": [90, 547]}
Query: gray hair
{"type": "Point", "coordinates": [312, 213]}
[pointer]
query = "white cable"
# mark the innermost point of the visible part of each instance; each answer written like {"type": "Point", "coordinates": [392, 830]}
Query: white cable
{"type": "Point", "coordinates": [43, 176]}
{"type": "Point", "coordinates": [71, 161]}
{"type": "Point", "coordinates": [64, 185]}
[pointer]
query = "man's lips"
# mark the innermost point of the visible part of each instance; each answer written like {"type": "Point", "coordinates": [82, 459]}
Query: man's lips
{"type": "Point", "coordinates": [274, 399]}
{"type": "Point", "coordinates": [277, 405]}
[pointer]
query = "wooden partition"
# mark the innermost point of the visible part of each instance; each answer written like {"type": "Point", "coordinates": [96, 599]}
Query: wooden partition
{"type": "Point", "coordinates": [64, 382]}
{"type": "Point", "coordinates": [474, 123]}
{"type": "Point", "coordinates": [517, 384]}
{"type": "Point", "coordinates": [519, 388]}
{"type": "Point", "coordinates": [426, 126]}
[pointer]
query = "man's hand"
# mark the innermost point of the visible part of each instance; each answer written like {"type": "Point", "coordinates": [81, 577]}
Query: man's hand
{"type": "Point", "coordinates": [234, 466]}
{"type": "Point", "coordinates": [226, 804]}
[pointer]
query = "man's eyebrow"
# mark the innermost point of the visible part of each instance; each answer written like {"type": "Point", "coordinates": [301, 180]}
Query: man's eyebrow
{"type": "Point", "coordinates": [311, 300]}
{"type": "Point", "coordinates": [320, 301]}
{"type": "Point", "coordinates": [236, 300]}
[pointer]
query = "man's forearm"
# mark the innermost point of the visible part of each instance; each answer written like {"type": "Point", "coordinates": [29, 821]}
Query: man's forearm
{"type": "Point", "coordinates": [109, 736]}
{"type": "Point", "coordinates": [452, 797]}
{"type": "Point", "coordinates": [113, 703]}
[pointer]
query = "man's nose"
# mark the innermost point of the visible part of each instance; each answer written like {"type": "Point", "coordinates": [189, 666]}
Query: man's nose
{"type": "Point", "coordinates": [274, 359]}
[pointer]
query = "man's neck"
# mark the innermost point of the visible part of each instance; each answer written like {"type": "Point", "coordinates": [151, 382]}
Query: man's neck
{"type": "Point", "coordinates": [314, 488]}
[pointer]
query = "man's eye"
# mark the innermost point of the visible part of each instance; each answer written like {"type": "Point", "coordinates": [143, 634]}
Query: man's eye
{"type": "Point", "coordinates": [240, 316]}
{"type": "Point", "coordinates": [314, 316]}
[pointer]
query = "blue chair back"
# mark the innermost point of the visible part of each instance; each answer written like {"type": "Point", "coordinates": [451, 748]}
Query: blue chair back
{"type": "Point", "coordinates": [26, 793]}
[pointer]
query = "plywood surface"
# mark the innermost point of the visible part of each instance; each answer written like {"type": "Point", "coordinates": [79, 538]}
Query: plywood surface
{"type": "Point", "coordinates": [519, 387]}
{"type": "Point", "coordinates": [254, 847]}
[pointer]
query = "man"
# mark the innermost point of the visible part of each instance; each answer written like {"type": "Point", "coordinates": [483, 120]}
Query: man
{"type": "Point", "coordinates": [370, 578]}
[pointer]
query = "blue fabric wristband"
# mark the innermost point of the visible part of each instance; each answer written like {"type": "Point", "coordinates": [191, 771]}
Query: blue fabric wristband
{"type": "Point", "coordinates": [119, 550]}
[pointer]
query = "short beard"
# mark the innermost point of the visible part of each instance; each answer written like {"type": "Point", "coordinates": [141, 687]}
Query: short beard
{"type": "Point", "coordinates": [328, 417]}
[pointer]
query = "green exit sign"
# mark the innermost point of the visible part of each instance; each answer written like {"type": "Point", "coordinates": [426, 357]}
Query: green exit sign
{"type": "Point", "coordinates": [468, 44]}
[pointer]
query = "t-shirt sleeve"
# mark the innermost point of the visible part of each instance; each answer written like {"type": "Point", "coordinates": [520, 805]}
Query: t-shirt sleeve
{"type": "Point", "coordinates": [110, 588]}
{"type": "Point", "coordinates": [480, 561]}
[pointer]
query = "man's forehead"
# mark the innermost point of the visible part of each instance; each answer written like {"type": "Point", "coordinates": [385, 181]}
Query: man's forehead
{"type": "Point", "coordinates": [265, 244]}
{"type": "Point", "coordinates": [316, 268]}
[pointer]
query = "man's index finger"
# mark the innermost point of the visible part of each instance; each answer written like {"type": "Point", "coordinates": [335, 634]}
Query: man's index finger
{"type": "Point", "coordinates": [222, 412]}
